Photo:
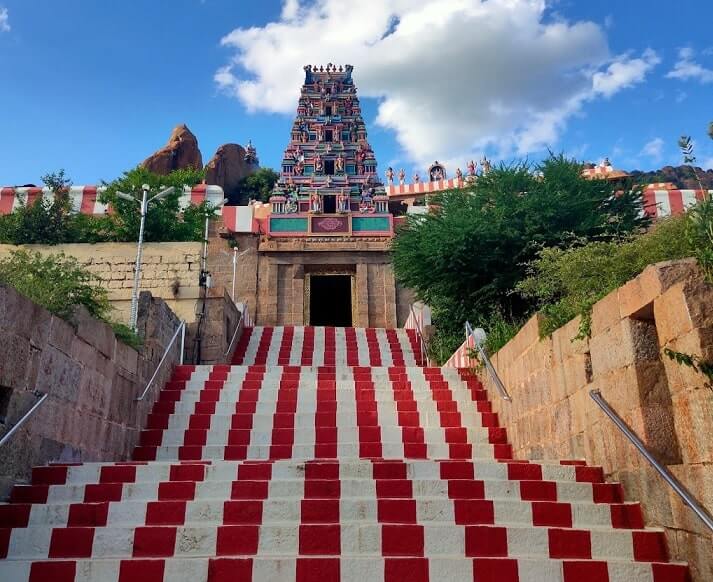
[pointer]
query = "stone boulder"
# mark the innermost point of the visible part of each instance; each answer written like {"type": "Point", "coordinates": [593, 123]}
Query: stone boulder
{"type": "Point", "coordinates": [227, 167]}
{"type": "Point", "coordinates": [180, 152]}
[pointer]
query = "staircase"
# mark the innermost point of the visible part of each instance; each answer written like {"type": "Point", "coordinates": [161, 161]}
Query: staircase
{"type": "Point", "coordinates": [326, 454]}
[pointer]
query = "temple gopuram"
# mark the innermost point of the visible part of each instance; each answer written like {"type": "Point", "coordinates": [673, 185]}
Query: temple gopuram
{"type": "Point", "coordinates": [323, 246]}
{"type": "Point", "coordinates": [329, 183]}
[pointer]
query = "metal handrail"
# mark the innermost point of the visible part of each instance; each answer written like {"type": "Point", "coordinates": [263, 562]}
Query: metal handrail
{"type": "Point", "coordinates": [483, 354]}
{"type": "Point", "coordinates": [419, 332]}
{"type": "Point", "coordinates": [235, 333]}
{"type": "Point", "coordinates": [180, 329]}
{"type": "Point", "coordinates": [20, 422]}
{"type": "Point", "coordinates": [685, 496]}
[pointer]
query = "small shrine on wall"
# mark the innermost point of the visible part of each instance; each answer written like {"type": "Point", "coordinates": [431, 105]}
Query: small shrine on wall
{"type": "Point", "coordinates": [329, 183]}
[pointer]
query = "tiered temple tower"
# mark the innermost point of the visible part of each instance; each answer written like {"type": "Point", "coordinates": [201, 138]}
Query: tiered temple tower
{"type": "Point", "coordinates": [329, 168]}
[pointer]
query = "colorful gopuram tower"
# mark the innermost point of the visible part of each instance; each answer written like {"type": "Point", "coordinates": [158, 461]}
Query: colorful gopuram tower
{"type": "Point", "coordinates": [329, 178]}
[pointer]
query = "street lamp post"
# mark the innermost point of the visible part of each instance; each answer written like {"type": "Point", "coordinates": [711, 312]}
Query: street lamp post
{"type": "Point", "coordinates": [144, 206]}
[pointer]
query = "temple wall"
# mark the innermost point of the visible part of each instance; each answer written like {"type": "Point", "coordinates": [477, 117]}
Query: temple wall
{"type": "Point", "coordinates": [669, 406]}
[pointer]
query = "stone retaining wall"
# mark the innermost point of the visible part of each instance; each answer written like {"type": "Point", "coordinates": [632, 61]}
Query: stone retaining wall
{"type": "Point", "coordinates": [91, 378]}
{"type": "Point", "coordinates": [668, 405]}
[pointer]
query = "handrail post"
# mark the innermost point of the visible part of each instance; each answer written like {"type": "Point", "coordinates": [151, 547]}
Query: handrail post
{"type": "Point", "coordinates": [685, 496]}
{"type": "Point", "coordinates": [181, 329]}
{"type": "Point", "coordinates": [419, 332]}
{"type": "Point", "coordinates": [235, 333]}
{"type": "Point", "coordinates": [487, 363]}
{"type": "Point", "coordinates": [183, 342]}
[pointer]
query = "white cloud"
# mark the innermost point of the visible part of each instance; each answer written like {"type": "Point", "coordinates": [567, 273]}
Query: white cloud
{"type": "Point", "coordinates": [681, 96]}
{"type": "Point", "coordinates": [653, 149]}
{"type": "Point", "coordinates": [624, 72]}
{"type": "Point", "coordinates": [4, 20]}
{"type": "Point", "coordinates": [686, 68]}
{"type": "Point", "coordinates": [454, 78]}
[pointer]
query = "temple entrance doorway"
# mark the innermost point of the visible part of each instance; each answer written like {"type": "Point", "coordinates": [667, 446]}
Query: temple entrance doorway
{"type": "Point", "coordinates": [330, 300]}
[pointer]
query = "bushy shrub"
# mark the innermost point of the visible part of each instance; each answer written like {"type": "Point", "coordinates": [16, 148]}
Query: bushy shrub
{"type": "Point", "coordinates": [59, 284]}
{"type": "Point", "coordinates": [566, 283]}
{"type": "Point", "coordinates": [56, 282]}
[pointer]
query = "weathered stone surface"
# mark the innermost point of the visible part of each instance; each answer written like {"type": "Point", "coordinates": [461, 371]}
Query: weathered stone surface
{"type": "Point", "coordinates": [180, 152]}
{"type": "Point", "coordinates": [668, 405]}
{"type": "Point", "coordinates": [91, 380]}
{"type": "Point", "coordinates": [227, 167]}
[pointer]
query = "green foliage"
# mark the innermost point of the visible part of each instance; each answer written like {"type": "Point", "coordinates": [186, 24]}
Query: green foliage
{"type": "Point", "coordinates": [43, 222]}
{"type": "Point", "coordinates": [257, 186]}
{"type": "Point", "coordinates": [56, 282]}
{"type": "Point", "coordinates": [163, 221]}
{"type": "Point", "coordinates": [567, 282]}
{"type": "Point", "coordinates": [466, 259]}
{"type": "Point", "coordinates": [51, 222]}
{"type": "Point", "coordinates": [694, 362]}
{"type": "Point", "coordinates": [699, 235]}
{"type": "Point", "coordinates": [127, 335]}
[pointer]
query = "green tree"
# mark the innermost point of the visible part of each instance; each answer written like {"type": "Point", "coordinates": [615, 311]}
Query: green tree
{"type": "Point", "coordinates": [466, 259]}
{"type": "Point", "coordinates": [164, 222]}
{"type": "Point", "coordinates": [45, 221]}
{"type": "Point", "coordinates": [257, 186]}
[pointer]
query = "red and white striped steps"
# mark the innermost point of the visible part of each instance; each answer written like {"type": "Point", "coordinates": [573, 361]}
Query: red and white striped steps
{"type": "Point", "coordinates": [328, 346]}
{"type": "Point", "coordinates": [284, 471]}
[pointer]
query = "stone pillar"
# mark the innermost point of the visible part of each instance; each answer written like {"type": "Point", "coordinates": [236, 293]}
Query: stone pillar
{"type": "Point", "coordinates": [389, 296]}
{"type": "Point", "coordinates": [267, 294]}
{"type": "Point", "coordinates": [298, 296]}
{"type": "Point", "coordinates": [362, 295]}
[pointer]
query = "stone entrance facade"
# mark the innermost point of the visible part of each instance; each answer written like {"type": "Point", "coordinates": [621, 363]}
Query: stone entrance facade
{"type": "Point", "coordinates": [273, 278]}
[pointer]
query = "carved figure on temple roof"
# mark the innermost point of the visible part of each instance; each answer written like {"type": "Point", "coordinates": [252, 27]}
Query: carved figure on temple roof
{"type": "Point", "coordinates": [402, 176]}
{"type": "Point", "coordinates": [459, 175]}
{"type": "Point", "coordinates": [416, 178]}
{"type": "Point", "coordinates": [318, 165]}
{"type": "Point", "coordinates": [342, 201]}
{"type": "Point", "coordinates": [471, 168]}
{"type": "Point", "coordinates": [485, 164]}
{"type": "Point", "coordinates": [315, 202]}
{"type": "Point", "coordinates": [348, 107]}
{"type": "Point", "coordinates": [339, 163]}
{"type": "Point", "coordinates": [299, 168]}
{"type": "Point", "coordinates": [320, 133]}
{"type": "Point", "coordinates": [389, 175]}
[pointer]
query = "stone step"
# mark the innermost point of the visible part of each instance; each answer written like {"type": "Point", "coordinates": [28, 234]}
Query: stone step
{"type": "Point", "coordinates": [335, 568]}
{"type": "Point", "coordinates": [327, 510]}
{"type": "Point", "coordinates": [433, 539]}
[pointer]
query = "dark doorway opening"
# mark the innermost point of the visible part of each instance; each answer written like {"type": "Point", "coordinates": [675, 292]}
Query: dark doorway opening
{"type": "Point", "coordinates": [330, 300]}
{"type": "Point", "coordinates": [330, 203]}
{"type": "Point", "coordinates": [329, 167]}
{"type": "Point", "coordinates": [328, 136]}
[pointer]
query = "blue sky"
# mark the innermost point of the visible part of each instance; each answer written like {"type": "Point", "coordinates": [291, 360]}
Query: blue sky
{"type": "Point", "coordinates": [95, 87]}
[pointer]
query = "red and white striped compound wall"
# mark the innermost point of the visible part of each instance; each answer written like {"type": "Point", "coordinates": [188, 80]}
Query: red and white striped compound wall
{"type": "Point", "coordinates": [85, 199]}
{"type": "Point", "coordinates": [660, 203]}
{"type": "Point", "coordinates": [326, 455]}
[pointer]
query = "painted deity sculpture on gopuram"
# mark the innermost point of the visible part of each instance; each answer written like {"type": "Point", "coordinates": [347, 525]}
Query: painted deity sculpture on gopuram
{"type": "Point", "coordinates": [329, 166]}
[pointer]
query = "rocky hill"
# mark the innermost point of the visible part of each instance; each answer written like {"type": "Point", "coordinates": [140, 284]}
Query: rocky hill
{"type": "Point", "coordinates": [225, 169]}
{"type": "Point", "coordinates": [681, 176]}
